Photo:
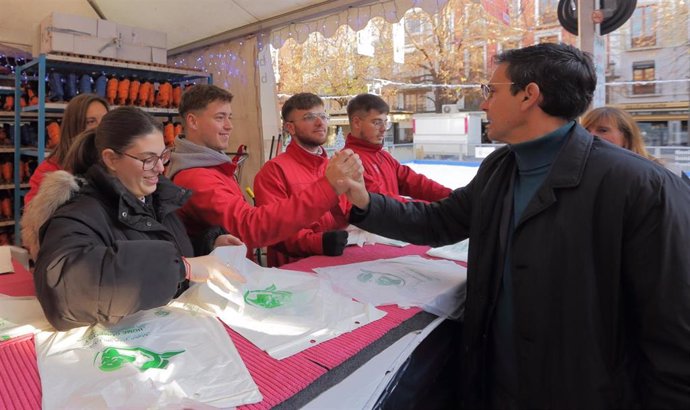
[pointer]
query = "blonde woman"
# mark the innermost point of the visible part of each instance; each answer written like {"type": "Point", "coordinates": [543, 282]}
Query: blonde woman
{"type": "Point", "coordinates": [618, 127]}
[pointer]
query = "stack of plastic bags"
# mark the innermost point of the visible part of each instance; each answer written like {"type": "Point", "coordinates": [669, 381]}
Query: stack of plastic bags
{"type": "Point", "coordinates": [169, 357]}
{"type": "Point", "coordinates": [280, 311]}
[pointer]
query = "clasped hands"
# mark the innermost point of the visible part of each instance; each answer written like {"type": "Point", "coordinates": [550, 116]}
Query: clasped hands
{"type": "Point", "coordinates": [345, 173]}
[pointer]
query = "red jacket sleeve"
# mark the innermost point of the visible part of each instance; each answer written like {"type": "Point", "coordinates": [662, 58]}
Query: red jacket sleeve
{"type": "Point", "coordinates": [420, 187]}
{"type": "Point", "coordinates": [218, 200]}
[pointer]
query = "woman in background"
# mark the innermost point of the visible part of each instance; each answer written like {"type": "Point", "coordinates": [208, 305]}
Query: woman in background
{"type": "Point", "coordinates": [83, 112]}
{"type": "Point", "coordinates": [111, 243]}
{"type": "Point", "coordinates": [618, 127]}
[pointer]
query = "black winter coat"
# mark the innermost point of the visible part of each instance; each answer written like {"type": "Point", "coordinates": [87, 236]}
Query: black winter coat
{"type": "Point", "coordinates": [601, 276]}
{"type": "Point", "coordinates": [105, 254]}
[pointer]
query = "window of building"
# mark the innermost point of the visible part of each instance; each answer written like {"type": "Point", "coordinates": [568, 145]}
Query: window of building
{"type": "Point", "coordinates": [416, 101]}
{"type": "Point", "coordinates": [644, 71]}
{"type": "Point", "coordinates": [642, 27]}
{"type": "Point", "coordinates": [547, 12]}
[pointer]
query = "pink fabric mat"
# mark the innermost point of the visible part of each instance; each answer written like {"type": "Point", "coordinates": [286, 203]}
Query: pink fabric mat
{"type": "Point", "coordinates": [278, 380]}
{"type": "Point", "coordinates": [20, 386]}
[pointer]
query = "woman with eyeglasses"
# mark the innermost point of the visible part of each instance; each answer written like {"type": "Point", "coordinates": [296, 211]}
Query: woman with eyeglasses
{"type": "Point", "coordinates": [112, 244]}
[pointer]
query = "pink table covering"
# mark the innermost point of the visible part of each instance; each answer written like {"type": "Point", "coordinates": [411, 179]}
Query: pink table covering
{"type": "Point", "coordinates": [278, 380]}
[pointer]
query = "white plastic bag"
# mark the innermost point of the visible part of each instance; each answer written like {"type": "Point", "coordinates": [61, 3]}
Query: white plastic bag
{"type": "Point", "coordinates": [20, 316]}
{"type": "Point", "coordinates": [169, 357]}
{"type": "Point", "coordinates": [457, 251]}
{"type": "Point", "coordinates": [360, 237]}
{"type": "Point", "coordinates": [437, 286]}
{"type": "Point", "coordinates": [280, 311]}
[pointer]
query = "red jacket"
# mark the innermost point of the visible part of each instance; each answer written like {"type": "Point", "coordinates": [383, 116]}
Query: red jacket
{"type": "Point", "coordinates": [383, 174]}
{"type": "Point", "coordinates": [285, 176]}
{"type": "Point", "coordinates": [217, 200]}
{"type": "Point", "coordinates": [37, 178]}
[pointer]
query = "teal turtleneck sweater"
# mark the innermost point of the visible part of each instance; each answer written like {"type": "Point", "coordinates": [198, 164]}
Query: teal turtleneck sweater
{"type": "Point", "coordinates": [534, 159]}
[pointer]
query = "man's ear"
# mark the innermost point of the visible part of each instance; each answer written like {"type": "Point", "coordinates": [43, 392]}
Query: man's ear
{"type": "Point", "coordinates": [289, 127]}
{"type": "Point", "coordinates": [109, 158]}
{"type": "Point", "coordinates": [355, 122]}
{"type": "Point", "coordinates": [532, 94]}
{"type": "Point", "coordinates": [190, 121]}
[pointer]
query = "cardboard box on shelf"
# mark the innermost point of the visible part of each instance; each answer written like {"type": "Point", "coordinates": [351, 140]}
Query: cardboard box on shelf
{"type": "Point", "coordinates": [125, 34]}
{"type": "Point", "coordinates": [52, 41]}
{"type": "Point", "coordinates": [150, 38]}
{"type": "Point", "coordinates": [57, 32]}
{"type": "Point", "coordinates": [107, 29]}
{"type": "Point", "coordinates": [71, 24]}
{"type": "Point", "coordinates": [134, 53]}
{"type": "Point", "coordinates": [95, 46]}
{"type": "Point", "coordinates": [159, 55]}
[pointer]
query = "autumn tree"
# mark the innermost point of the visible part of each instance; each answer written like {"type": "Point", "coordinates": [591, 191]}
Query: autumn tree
{"type": "Point", "coordinates": [449, 50]}
{"type": "Point", "coordinates": [332, 66]}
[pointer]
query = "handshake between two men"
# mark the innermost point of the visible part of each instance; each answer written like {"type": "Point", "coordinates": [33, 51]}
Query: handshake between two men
{"type": "Point", "coordinates": [345, 173]}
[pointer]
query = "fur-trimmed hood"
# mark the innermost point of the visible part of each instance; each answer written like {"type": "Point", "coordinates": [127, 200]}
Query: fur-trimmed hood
{"type": "Point", "coordinates": [56, 189]}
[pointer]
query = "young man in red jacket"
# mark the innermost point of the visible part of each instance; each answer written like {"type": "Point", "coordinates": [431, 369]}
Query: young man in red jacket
{"type": "Point", "coordinates": [383, 174]}
{"type": "Point", "coordinates": [301, 165]}
{"type": "Point", "coordinates": [200, 164]}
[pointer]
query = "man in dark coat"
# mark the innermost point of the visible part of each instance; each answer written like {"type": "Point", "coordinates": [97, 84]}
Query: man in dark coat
{"type": "Point", "coordinates": [578, 289]}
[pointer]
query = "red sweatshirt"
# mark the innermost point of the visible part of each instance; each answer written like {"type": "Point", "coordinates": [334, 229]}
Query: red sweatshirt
{"type": "Point", "coordinates": [37, 178]}
{"type": "Point", "coordinates": [217, 200]}
{"type": "Point", "coordinates": [383, 174]}
{"type": "Point", "coordinates": [286, 176]}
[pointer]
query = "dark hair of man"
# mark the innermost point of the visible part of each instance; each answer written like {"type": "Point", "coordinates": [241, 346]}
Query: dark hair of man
{"type": "Point", "coordinates": [118, 130]}
{"type": "Point", "coordinates": [73, 123]}
{"type": "Point", "coordinates": [363, 103]}
{"type": "Point", "coordinates": [565, 76]}
{"type": "Point", "coordinates": [198, 97]}
{"type": "Point", "coordinates": [300, 101]}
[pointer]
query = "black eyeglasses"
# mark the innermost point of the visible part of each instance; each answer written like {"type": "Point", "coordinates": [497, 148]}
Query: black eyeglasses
{"type": "Point", "coordinates": [149, 163]}
{"type": "Point", "coordinates": [487, 89]}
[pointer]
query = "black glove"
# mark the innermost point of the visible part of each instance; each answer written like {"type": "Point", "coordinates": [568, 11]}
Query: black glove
{"type": "Point", "coordinates": [334, 242]}
{"type": "Point", "coordinates": [203, 243]}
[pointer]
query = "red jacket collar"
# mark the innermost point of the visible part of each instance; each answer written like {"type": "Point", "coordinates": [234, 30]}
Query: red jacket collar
{"type": "Point", "coordinates": [228, 168]}
{"type": "Point", "coordinates": [304, 156]}
{"type": "Point", "coordinates": [353, 141]}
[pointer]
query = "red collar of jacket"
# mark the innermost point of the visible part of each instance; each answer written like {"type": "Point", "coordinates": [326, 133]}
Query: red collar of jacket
{"type": "Point", "coordinates": [358, 143]}
{"type": "Point", "coordinates": [227, 168]}
{"type": "Point", "coordinates": [305, 157]}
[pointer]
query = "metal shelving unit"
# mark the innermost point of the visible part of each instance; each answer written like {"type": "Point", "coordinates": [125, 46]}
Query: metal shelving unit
{"type": "Point", "coordinates": [38, 69]}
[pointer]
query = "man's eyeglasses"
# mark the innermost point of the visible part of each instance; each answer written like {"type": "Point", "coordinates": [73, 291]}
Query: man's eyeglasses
{"type": "Point", "coordinates": [312, 116]}
{"type": "Point", "coordinates": [379, 123]}
{"type": "Point", "coordinates": [149, 163]}
{"type": "Point", "coordinates": [488, 89]}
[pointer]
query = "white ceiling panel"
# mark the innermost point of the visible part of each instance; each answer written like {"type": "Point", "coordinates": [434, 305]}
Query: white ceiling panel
{"type": "Point", "coordinates": [184, 21]}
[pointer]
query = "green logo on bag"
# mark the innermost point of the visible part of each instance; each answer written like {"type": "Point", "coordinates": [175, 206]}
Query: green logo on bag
{"type": "Point", "coordinates": [380, 278]}
{"type": "Point", "coordinates": [161, 313]}
{"type": "Point", "coordinates": [268, 298]}
{"type": "Point", "coordinates": [114, 358]}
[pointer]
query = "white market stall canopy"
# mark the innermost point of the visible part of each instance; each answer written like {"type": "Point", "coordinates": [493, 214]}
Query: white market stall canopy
{"type": "Point", "coordinates": [194, 23]}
